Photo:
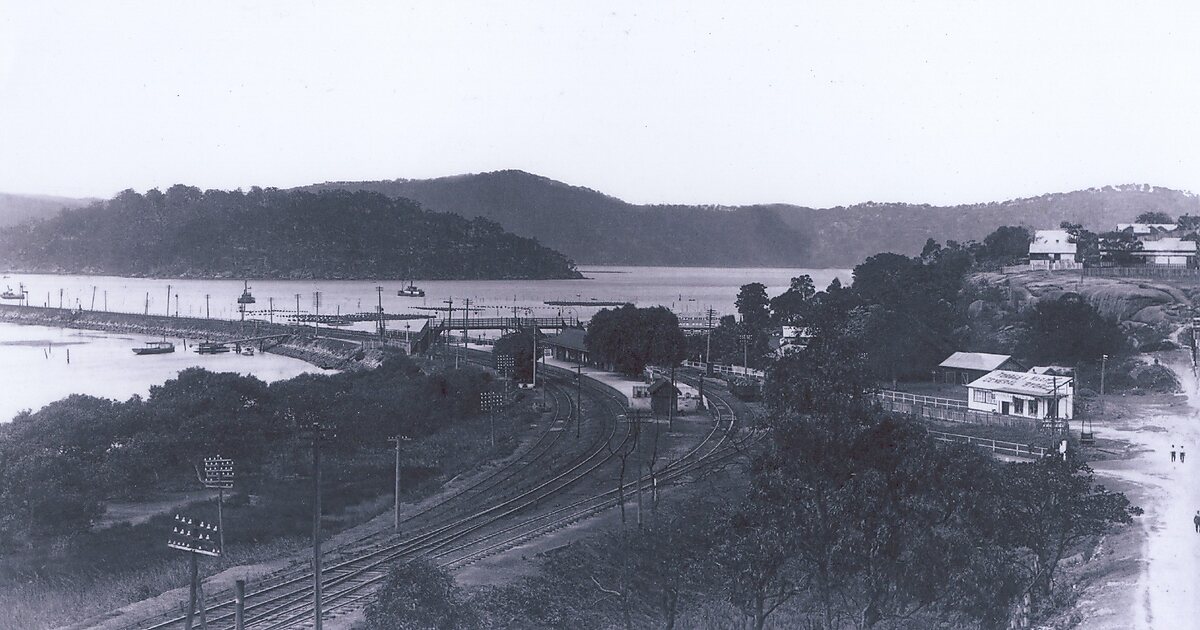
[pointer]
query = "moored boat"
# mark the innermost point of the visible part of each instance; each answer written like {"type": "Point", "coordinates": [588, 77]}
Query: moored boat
{"type": "Point", "coordinates": [210, 347]}
{"type": "Point", "coordinates": [8, 293]}
{"type": "Point", "coordinates": [155, 347]}
{"type": "Point", "coordinates": [411, 291]}
{"type": "Point", "coordinates": [246, 297]}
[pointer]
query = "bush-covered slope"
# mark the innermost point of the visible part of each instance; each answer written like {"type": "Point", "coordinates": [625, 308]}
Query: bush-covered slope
{"type": "Point", "coordinates": [593, 227]}
{"type": "Point", "coordinates": [276, 234]}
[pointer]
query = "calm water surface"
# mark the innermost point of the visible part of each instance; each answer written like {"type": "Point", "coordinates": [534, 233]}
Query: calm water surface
{"type": "Point", "coordinates": [33, 359]}
{"type": "Point", "coordinates": [35, 370]}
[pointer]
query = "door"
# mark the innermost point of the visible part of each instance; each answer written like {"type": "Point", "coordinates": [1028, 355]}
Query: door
{"type": "Point", "coordinates": [1004, 407]}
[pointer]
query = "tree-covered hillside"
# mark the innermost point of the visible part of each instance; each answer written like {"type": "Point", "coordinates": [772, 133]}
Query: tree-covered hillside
{"type": "Point", "coordinates": [592, 227]}
{"type": "Point", "coordinates": [186, 232]}
{"type": "Point", "coordinates": [17, 208]}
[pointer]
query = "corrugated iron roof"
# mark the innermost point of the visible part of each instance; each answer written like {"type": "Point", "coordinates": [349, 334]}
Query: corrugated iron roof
{"type": "Point", "coordinates": [1027, 383]}
{"type": "Point", "coordinates": [974, 361]}
{"type": "Point", "coordinates": [1052, 242]}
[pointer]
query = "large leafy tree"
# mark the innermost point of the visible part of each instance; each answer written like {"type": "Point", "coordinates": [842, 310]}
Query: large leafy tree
{"type": "Point", "coordinates": [753, 305]}
{"type": "Point", "coordinates": [631, 338]}
{"type": "Point", "coordinates": [1069, 330]}
{"type": "Point", "coordinates": [1006, 245]}
{"type": "Point", "coordinates": [417, 595]}
{"type": "Point", "coordinates": [791, 306]}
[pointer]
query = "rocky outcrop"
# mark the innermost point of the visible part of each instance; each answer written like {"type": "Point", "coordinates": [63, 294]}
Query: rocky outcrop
{"type": "Point", "coordinates": [1122, 299]}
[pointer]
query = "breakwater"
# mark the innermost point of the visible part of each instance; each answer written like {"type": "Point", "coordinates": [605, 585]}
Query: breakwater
{"type": "Point", "coordinates": [341, 352]}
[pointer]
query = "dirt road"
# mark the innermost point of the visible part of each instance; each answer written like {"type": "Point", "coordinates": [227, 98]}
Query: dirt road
{"type": "Point", "coordinates": [1168, 586]}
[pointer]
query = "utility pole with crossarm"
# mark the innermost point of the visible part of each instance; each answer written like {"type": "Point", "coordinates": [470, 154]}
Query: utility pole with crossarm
{"type": "Point", "coordinates": [317, 433]}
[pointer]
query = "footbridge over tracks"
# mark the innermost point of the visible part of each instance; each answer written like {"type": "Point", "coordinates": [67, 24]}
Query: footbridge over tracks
{"type": "Point", "coordinates": [432, 330]}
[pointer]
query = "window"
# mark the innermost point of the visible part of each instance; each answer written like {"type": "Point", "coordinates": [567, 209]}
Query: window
{"type": "Point", "coordinates": [1018, 405]}
{"type": "Point", "coordinates": [1033, 405]}
{"type": "Point", "coordinates": [984, 396]}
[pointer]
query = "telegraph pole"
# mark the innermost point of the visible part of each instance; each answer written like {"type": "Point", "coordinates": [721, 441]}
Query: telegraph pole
{"type": "Point", "coordinates": [93, 298]}
{"type": "Point", "coordinates": [207, 314]}
{"type": "Point", "coordinates": [194, 537]}
{"type": "Point", "coordinates": [318, 434]}
{"type": "Point", "coordinates": [466, 322]}
{"type": "Point", "coordinates": [578, 398]}
{"type": "Point", "coordinates": [317, 315]}
{"type": "Point", "coordinates": [674, 403]}
{"type": "Point", "coordinates": [297, 309]}
{"type": "Point", "coordinates": [490, 402]}
{"type": "Point", "coordinates": [379, 290]}
{"type": "Point", "coordinates": [708, 342]}
{"type": "Point", "coordinates": [218, 475]}
{"type": "Point", "coordinates": [398, 439]}
{"type": "Point", "coordinates": [271, 312]}
{"type": "Point", "coordinates": [168, 308]}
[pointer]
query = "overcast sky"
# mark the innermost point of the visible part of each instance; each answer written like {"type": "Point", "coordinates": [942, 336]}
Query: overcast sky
{"type": "Point", "coordinates": [692, 102]}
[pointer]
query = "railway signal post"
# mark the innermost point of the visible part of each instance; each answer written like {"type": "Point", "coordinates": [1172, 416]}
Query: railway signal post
{"type": "Point", "coordinates": [398, 440]}
{"type": "Point", "coordinates": [318, 433]}
{"type": "Point", "coordinates": [196, 538]}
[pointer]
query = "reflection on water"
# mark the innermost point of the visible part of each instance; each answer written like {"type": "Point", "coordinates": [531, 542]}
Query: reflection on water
{"type": "Point", "coordinates": [39, 365]}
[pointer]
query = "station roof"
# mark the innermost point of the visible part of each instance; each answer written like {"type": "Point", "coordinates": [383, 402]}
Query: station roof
{"type": "Point", "coordinates": [570, 338]}
{"type": "Point", "coordinates": [1027, 383]}
{"type": "Point", "coordinates": [981, 361]}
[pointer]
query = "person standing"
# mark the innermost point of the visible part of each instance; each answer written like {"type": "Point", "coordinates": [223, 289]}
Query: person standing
{"type": "Point", "coordinates": [1182, 455]}
{"type": "Point", "coordinates": [1172, 453]}
{"type": "Point", "coordinates": [1196, 521]}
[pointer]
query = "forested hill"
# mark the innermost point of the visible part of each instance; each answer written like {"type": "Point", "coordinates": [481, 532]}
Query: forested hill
{"type": "Point", "coordinates": [592, 227]}
{"type": "Point", "coordinates": [274, 234]}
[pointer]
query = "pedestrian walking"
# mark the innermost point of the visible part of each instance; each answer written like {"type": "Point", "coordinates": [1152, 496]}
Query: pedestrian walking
{"type": "Point", "coordinates": [1196, 521]}
{"type": "Point", "coordinates": [1172, 453]}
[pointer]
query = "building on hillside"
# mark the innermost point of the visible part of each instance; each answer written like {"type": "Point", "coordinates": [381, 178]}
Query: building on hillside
{"type": "Point", "coordinates": [1167, 251]}
{"type": "Point", "coordinates": [568, 346]}
{"type": "Point", "coordinates": [1141, 229]}
{"type": "Point", "coordinates": [1053, 249]}
{"type": "Point", "coordinates": [963, 367]}
{"type": "Point", "coordinates": [787, 339]}
{"type": "Point", "coordinates": [1025, 394]}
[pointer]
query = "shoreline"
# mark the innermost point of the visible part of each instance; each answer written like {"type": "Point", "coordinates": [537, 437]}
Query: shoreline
{"type": "Point", "coordinates": [321, 351]}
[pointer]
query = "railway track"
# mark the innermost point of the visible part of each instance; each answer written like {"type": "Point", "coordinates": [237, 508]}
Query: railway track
{"type": "Point", "coordinates": [488, 499]}
{"type": "Point", "coordinates": [485, 518]}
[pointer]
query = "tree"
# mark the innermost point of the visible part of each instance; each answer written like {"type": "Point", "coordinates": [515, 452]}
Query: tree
{"type": "Point", "coordinates": [419, 596]}
{"type": "Point", "coordinates": [1119, 247]}
{"type": "Point", "coordinates": [1054, 504]}
{"type": "Point", "coordinates": [1006, 244]}
{"type": "Point", "coordinates": [1087, 244]}
{"type": "Point", "coordinates": [519, 346]}
{"type": "Point", "coordinates": [631, 338]}
{"type": "Point", "coordinates": [753, 305]}
{"type": "Point", "coordinates": [1154, 216]}
{"type": "Point", "coordinates": [1068, 330]}
{"type": "Point", "coordinates": [790, 306]}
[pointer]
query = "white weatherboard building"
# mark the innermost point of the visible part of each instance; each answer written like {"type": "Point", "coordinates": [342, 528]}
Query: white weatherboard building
{"type": "Point", "coordinates": [1168, 251]}
{"type": "Point", "coordinates": [1053, 249]}
{"type": "Point", "coordinates": [1023, 394]}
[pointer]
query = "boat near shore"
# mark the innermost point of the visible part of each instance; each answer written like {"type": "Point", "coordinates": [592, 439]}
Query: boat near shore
{"type": "Point", "coordinates": [155, 347]}
{"type": "Point", "coordinates": [209, 347]}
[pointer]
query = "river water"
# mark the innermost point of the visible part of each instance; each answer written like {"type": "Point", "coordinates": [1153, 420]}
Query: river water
{"type": "Point", "coordinates": [34, 369]}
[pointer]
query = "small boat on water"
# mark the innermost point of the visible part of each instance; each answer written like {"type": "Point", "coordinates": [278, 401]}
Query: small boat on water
{"type": "Point", "coordinates": [411, 291]}
{"type": "Point", "coordinates": [210, 347]}
{"type": "Point", "coordinates": [155, 347]}
{"type": "Point", "coordinates": [10, 295]}
{"type": "Point", "coordinates": [247, 351]}
{"type": "Point", "coordinates": [246, 297]}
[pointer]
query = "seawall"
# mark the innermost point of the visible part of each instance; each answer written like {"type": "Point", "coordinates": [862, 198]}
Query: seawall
{"type": "Point", "coordinates": [301, 343]}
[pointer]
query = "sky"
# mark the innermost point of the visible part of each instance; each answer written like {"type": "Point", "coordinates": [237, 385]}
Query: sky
{"type": "Point", "coordinates": [813, 103]}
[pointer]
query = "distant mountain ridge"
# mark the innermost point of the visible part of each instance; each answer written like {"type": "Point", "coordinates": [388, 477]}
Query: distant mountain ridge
{"type": "Point", "coordinates": [592, 227]}
{"type": "Point", "coordinates": [17, 208]}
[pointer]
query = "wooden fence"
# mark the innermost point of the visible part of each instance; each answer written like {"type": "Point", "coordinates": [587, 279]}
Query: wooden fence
{"type": "Point", "coordinates": [1140, 271]}
{"type": "Point", "coordinates": [950, 410]}
{"type": "Point", "coordinates": [1013, 449]}
{"type": "Point", "coordinates": [731, 370]}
